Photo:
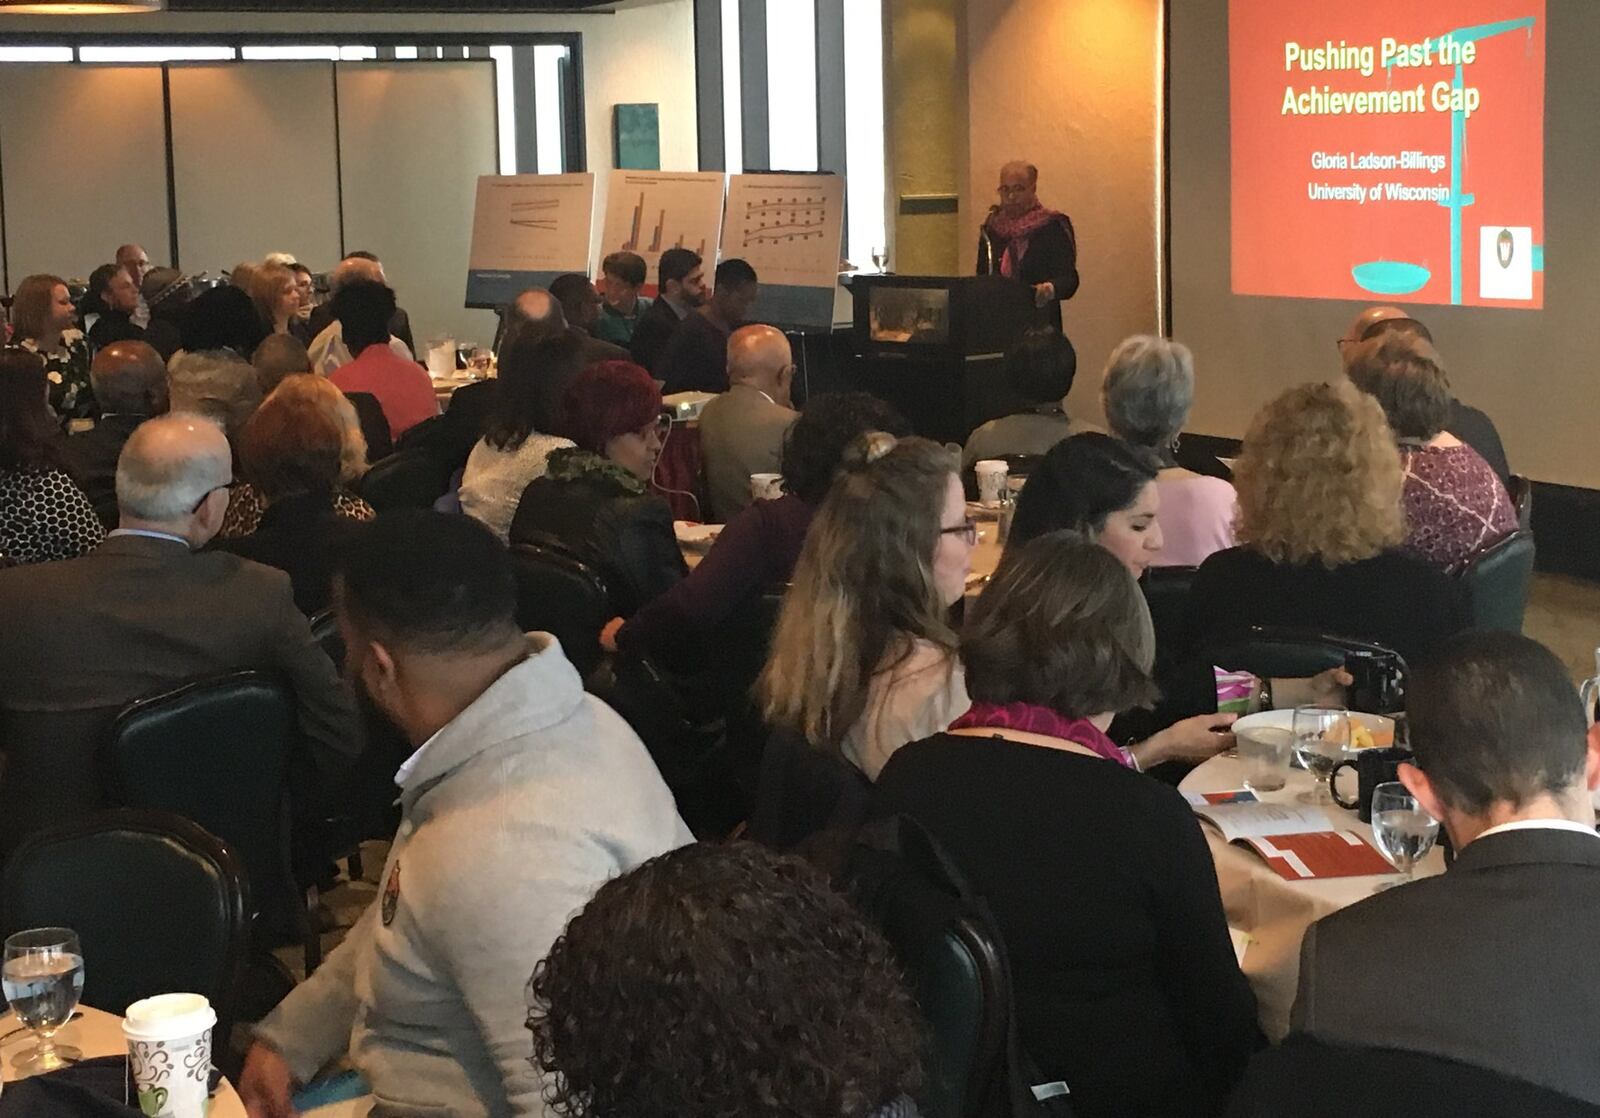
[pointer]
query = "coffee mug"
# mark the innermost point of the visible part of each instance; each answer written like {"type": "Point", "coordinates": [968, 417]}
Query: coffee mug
{"type": "Point", "coordinates": [766, 487]}
{"type": "Point", "coordinates": [1372, 768]}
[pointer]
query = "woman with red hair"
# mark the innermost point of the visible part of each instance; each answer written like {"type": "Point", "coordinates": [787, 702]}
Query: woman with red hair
{"type": "Point", "coordinates": [594, 499]}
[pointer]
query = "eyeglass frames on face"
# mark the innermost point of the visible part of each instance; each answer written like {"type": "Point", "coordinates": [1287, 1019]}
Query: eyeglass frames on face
{"type": "Point", "coordinates": [967, 529]}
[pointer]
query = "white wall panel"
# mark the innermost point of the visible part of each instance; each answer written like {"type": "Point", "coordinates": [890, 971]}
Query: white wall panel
{"type": "Point", "coordinates": [413, 139]}
{"type": "Point", "coordinates": [84, 157]}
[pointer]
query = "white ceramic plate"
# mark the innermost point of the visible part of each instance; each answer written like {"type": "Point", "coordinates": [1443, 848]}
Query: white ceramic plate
{"type": "Point", "coordinates": [1382, 727]}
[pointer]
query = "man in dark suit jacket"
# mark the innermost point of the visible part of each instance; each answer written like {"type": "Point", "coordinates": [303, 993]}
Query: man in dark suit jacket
{"type": "Point", "coordinates": [143, 613]}
{"type": "Point", "coordinates": [681, 288]}
{"type": "Point", "coordinates": [1492, 964]}
{"type": "Point", "coordinates": [130, 382]}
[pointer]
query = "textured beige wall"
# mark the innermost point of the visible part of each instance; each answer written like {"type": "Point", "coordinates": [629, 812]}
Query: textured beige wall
{"type": "Point", "coordinates": [1073, 86]}
{"type": "Point", "coordinates": [925, 103]}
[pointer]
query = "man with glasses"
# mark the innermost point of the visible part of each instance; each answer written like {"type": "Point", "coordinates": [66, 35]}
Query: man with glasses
{"type": "Point", "coordinates": [145, 612]}
{"type": "Point", "coordinates": [1024, 241]}
{"type": "Point", "coordinates": [742, 430]}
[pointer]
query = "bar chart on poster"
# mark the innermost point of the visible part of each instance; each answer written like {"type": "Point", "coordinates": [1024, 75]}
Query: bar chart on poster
{"type": "Point", "coordinates": [790, 229]}
{"type": "Point", "coordinates": [648, 212]}
{"type": "Point", "coordinates": [1382, 148]}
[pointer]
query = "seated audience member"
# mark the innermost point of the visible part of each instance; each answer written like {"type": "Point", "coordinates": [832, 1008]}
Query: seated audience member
{"type": "Point", "coordinates": [542, 312]}
{"type": "Point", "coordinates": [622, 275]}
{"type": "Point", "coordinates": [777, 979]}
{"type": "Point", "coordinates": [166, 294]}
{"type": "Point", "coordinates": [306, 289]}
{"type": "Point", "coordinates": [218, 384]}
{"type": "Point", "coordinates": [145, 612]}
{"type": "Point", "coordinates": [1466, 422]}
{"type": "Point", "coordinates": [114, 297]}
{"type": "Point", "coordinates": [1040, 369]}
{"type": "Point", "coordinates": [681, 287]}
{"type": "Point", "coordinates": [247, 502]}
{"type": "Point", "coordinates": [278, 356]}
{"type": "Point", "coordinates": [130, 383]}
{"type": "Point", "coordinates": [695, 358]}
{"type": "Point", "coordinates": [43, 515]}
{"type": "Point", "coordinates": [327, 347]}
{"type": "Point", "coordinates": [135, 261]}
{"type": "Point", "coordinates": [1509, 978]}
{"type": "Point", "coordinates": [276, 296]}
{"type": "Point", "coordinates": [43, 322]}
{"type": "Point", "coordinates": [1320, 525]}
{"type": "Point", "coordinates": [513, 450]}
{"type": "Point", "coordinates": [1147, 393]}
{"type": "Point", "coordinates": [291, 451]}
{"type": "Point", "coordinates": [1130, 993]}
{"type": "Point", "coordinates": [863, 659]}
{"type": "Point", "coordinates": [1103, 489]}
{"type": "Point", "coordinates": [1454, 504]}
{"type": "Point", "coordinates": [758, 549]}
{"type": "Point", "coordinates": [523, 795]}
{"type": "Point", "coordinates": [742, 430]}
{"type": "Point", "coordinates": [222, 318]}
{"type": "Point", "coordinates": [402, 386]}
{"type": "Point", "coordinates": [594, 499]}
{"type": "Point", "coordinates": [580, 302]}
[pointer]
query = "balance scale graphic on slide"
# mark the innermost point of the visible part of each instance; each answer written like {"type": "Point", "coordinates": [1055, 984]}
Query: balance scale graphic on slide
{"type": "Point", "coordinates": [1507, 255]}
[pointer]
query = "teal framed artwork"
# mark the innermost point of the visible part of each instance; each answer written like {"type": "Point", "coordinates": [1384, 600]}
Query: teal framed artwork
{"type": "Point", "coordinates": [637, 130]}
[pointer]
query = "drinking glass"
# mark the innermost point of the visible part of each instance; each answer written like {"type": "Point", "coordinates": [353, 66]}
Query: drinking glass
{"type": "Point", "coordinates": [1264, 751]}
{"type": "Point", "coordinates": [1404, 833]}
{"type": "Point", "coordinates": [480, 363]}
{"type": "Point", "coordinates": [42, 977]}
{"type": "Point", "coordinates": [1321, 741]}
{"type": "Point", "coordinates": [880, 257]}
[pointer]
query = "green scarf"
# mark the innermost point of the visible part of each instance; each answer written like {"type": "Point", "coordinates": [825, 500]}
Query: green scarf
{"type": "Point", "coordinates": [569, 463]}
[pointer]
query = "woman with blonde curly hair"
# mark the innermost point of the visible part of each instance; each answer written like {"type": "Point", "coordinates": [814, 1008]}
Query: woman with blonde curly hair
{"type": "Point", "coordinates": [1319, 528]}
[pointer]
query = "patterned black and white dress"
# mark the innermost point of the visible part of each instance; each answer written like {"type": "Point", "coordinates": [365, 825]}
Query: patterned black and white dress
{"type": "Point", "coordinates": [67, 369]}
{"type": "Point", "coordinates": [43, 516]}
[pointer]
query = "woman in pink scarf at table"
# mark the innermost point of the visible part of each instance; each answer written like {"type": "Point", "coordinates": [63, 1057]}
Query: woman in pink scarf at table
{"type": "Point", "coordinates": [1024, 241]}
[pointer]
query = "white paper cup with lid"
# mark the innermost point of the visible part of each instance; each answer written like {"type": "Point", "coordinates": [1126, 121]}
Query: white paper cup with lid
{"type": "Point", "coordinates": [169, 1054]}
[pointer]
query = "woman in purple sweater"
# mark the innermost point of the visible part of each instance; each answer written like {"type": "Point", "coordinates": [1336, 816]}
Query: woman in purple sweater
{"type": "Point", "coordinates": [758, 548]}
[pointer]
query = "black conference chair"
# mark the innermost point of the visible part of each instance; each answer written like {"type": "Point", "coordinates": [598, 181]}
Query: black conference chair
{"type": "Point", "coordinates": [217, 751]}
{"type": "Point", "coordinates": [325, 630]}
{"type": "Point", "coordinates": [159, 905]}
{"type": "Point", "coordinates": [1294, 653]}
{"type": "Point", "coordinates": [805, 794]}
{"type": "Point", "coordinates": [559, 593]}
{"type": "Point", "coordinates": [1521, 490]}
{"type": "Point", "coordinates": [1166, 592]}
{"type": "Point", "coordinates": [1495, 584]}
{"type": "Point", "coordinates": [374, 425]}
{"type": "Point", "coordinates": [1307, 1078]}
{"type": "Point", "coordinates": [411, 478]}
{"type": "Point", "coordinates": [955, 964]}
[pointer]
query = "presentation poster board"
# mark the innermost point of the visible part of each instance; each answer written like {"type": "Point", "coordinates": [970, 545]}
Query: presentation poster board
{"type": "Point", "coordinates": [1388, 150]}
{"type": "Point", "coordinates": [648, 212]}
{"type": "Point", "coordinates": [790, 228]}
{"type": "Point", "coordinates": [526, 231]}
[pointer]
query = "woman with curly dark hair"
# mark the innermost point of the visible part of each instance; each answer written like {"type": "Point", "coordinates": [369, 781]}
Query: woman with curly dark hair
{"type": "Point", "coordinates": [723, 980]}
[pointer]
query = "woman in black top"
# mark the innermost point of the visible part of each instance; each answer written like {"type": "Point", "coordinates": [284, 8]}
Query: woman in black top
{"type": "Point", "coordinates": [43, 515]}
{"type": "Point", "coordinates": [1319, 528]}
{"type": "Point", "coordinates": [594, 499]}
{"type": "Point", "coordinates": [1099, 879]}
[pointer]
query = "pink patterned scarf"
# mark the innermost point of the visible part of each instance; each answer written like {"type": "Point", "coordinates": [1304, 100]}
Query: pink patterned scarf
{"type": "Point", "coordinates": [1034, 719]}
{"type": "Point", "coordinates": [1017, 231]}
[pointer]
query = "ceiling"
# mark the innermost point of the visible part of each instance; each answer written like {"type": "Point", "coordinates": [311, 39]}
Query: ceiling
{"type": "Point", "coordinates": [372, 6]}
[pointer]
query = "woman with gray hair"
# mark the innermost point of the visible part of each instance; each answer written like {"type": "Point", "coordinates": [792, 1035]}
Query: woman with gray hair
{"type": "Point", "coordinates": [1147, 393]}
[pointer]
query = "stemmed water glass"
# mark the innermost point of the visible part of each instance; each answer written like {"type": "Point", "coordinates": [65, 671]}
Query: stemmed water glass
{"type": "Point", "coordinates": [1321, 741]}
{"type": "Point", "coordinates": [880, 257]}
{"type": "Point", "coordinates": [1403, 832]}
{"type": "Point", "coordinates": [42, 977]}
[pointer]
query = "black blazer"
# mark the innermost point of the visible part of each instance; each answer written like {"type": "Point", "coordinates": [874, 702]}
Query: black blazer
{"type": "Point", "coordinates": [1492, 963]}
{"type": "Point", "coordinates": [652, 332]}
{"type": "Point", "coordinates": [1477, 430]}
{"type": "Point", "coordinates": [1052, 257]}
{"type": "Point", "coordinates": [92, 461]}
{"type": "Point", "coordinates": [300, 536]}
{"type": "Point", "coordinates": [1106, 896]}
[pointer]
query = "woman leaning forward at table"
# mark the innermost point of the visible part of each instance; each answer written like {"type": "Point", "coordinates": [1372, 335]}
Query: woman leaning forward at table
{"type": "Point", "coordinates": [1099, 879]}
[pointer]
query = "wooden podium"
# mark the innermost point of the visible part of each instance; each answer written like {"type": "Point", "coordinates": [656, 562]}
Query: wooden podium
{"type": "Point", "coordinates": [934, 346]}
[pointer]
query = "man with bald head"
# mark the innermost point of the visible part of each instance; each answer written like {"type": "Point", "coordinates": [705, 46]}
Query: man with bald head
{"type": "Point", "coordinates": [130, 383]}
{"type": "Point", "coordinates": [1466, 422]}
{"type": "Point", "coordinates": [742, 430]}
{"type": "Point", "coordinates": [147, 611]}
{"type": "Point", "coordinates": [327, 349]}
{"type": "Point", "coordinates": [1025, 241]}
{"type": "Point", "coordinates": [133, 260]}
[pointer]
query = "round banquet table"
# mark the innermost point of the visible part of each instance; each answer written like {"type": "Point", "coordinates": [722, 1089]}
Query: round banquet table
{"type": "Point", "coordinates": [1273, 912]}
{"type": "Point", "coordinates": [98, 1033]}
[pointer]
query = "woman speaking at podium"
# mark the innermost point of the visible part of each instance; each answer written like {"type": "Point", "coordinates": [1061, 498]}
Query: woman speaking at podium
{"type": "Point", "coordinates": [1022, 240]}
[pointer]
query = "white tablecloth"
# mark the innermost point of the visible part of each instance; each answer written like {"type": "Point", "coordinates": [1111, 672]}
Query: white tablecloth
{"type": "Point", "coordinates": [1273, 912]}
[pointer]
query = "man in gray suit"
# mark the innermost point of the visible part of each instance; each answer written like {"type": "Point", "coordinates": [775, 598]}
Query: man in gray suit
{"type": "Point", "coordinates": [145, 612]}
{"type": "Point", "coordinates": [1492, 964]}
{"type": "Point", "coordinates": [742, 430]}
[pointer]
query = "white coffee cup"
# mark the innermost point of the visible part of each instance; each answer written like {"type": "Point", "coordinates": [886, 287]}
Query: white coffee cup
{"type": "Point", "coordinates": [991, 480]}
{"type": "Point", "coordinates": [766, 487]}
{"type": "Point", "coordinates": [441, 358]}
{"type": "Point", "coordinates": [169, 1054]}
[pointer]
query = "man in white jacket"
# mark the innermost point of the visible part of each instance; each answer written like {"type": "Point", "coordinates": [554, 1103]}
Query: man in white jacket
{"type": "Point", "coordinates": [523, 796]}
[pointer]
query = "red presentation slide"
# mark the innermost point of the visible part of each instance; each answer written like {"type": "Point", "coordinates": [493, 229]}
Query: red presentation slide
{"type": "Point", "coordinates": [1388, 150]}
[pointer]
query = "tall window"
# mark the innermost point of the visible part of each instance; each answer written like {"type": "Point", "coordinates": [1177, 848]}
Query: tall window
{"type": "Point", "coordinates": [792, 84]}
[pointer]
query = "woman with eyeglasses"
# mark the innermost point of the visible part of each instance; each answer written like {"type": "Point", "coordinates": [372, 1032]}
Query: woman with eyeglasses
{"type": "Point", "coordinates": [594, 499]}
{"type": "Point", "coordinates": [863, 659]}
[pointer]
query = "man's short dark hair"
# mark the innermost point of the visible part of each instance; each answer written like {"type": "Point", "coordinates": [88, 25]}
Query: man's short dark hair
{"type": "Point", "coordinates": [814, 446]}
{"type": "Point", "coordinates": [676, 264]}
{"type": "Point", "coordinates": [626, 266]}
{"type": "Point", "coordinates": [364, 308]}
{"type": "Point", "coordinates": [1042, 365]}
{"type": "Point", "coordinates": [735, 273]}
{"type": "Point", "coordinates": [571, 290]}
{"type": "Point", "coordinates": [362, 254]}
{"type": "Point", "coordinates": [429, 582]}
{"type": "Point", "coordinates": [1494, 718]}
